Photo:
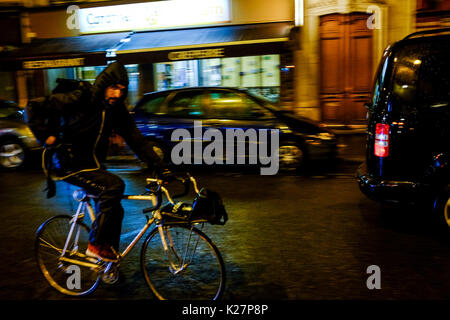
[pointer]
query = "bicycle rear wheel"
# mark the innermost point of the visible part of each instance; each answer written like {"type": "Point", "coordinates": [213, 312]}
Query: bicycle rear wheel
{"type": "Point", "coordinates": [67, 277]}
{"type": "Point", "coordinates": [191, 269]}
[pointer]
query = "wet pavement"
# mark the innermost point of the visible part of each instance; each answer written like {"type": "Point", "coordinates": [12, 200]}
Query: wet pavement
{"type": "Point", "coordinates": [308, 236]}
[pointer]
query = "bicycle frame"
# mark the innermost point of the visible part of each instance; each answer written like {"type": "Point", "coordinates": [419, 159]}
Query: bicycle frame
{"type": "Point", "coordinates": [85, 204]}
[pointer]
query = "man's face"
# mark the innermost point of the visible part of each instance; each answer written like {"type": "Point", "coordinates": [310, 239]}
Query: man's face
{"type": "Point", "coordinates": [114, 93]}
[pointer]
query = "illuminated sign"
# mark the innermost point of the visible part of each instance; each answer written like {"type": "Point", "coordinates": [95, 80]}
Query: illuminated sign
{"type": "Point", "coordinates": [59, 63]}
{"type": "Point", "coordinates": [196, 54]}
{"type": "Point", "coordinates": [153, 15]}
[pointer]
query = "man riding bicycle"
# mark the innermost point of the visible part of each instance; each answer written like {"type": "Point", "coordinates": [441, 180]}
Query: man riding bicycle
{"type": "Point", "coordinates": [76, 136]}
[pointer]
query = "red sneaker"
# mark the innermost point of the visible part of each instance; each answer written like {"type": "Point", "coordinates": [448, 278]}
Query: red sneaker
{"type": "Point", "coordinates": [105, 253]}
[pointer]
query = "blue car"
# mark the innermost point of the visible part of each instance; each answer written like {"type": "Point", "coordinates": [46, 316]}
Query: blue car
{"type": "Point", "coordinates": [195, 111]}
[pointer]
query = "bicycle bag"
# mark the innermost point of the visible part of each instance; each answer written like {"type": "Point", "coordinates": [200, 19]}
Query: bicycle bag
{"type": "Point", "coordinates": [208, 205]}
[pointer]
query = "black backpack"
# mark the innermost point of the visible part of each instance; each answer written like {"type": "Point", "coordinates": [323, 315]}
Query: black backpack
{"type": "Point", "coordinates": [38, 113]}
{"type": "Point", "coordinates": [39, 116]}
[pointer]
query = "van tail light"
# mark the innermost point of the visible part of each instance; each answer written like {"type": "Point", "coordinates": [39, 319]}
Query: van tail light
{"type": "Point", "coordinates": [382, 140]}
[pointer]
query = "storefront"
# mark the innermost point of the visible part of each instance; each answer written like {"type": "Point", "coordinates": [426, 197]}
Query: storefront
{"type": "Point", "coordinates": [173, 55]}
{"type": "Point", "coordinates": [242, 56]}
{"type": "Point", "coordinates": [253, 63]}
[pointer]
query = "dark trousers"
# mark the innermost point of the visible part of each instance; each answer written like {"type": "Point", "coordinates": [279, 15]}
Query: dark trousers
{"type": "Point", "coordinates": [109, 189]}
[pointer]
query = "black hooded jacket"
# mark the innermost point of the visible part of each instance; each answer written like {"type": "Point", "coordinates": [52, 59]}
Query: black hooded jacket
{"type": "Point", "coordinates": [82, 122]}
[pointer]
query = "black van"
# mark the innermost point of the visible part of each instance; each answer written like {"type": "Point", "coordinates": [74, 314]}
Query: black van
{"type": "Point", "coordinates": [408, 133]}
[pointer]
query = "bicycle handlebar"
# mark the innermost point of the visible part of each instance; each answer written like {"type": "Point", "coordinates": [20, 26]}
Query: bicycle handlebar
{"type": "Point", "coordinates": [156, 187]}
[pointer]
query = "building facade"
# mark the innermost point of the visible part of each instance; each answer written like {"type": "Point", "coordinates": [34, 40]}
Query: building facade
{"type": "Point", "coordinates": [316, 58]}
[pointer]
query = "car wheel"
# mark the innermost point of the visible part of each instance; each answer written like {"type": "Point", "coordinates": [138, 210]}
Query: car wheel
{"type": "Point", "coordinates": [291, 157]}
{"type": "Point", "coordinates": [444, 208]}
{"type": "Point", "coordinates": [447, 211]}
{"type": "Point", "coordinates": [12, 154]}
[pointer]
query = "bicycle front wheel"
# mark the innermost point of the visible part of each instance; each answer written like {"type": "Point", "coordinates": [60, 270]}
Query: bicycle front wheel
{"type": "Point", "coordinates": [70, 278]}
{"type": "Point", "coordinates": [191, 267]}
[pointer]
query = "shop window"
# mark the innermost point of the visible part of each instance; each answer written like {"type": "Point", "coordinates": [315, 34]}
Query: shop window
{"type": "Point", "coordinates": [251, 72]}
{"type": "Point", "coordinates": [259, 74]}
{"type": "Point", "coordinates": [270, 70]}
{"type": "Point", "coordinates": [210, 72]}
{"type": "Point", "coordinates": [133, 83]}
{"type": "Point", "coordinates": [88, 73]}
{"type": "Point", "coordinates": [187, 105]}
{"type": "Point", "coordinates": [54, 74]}
{"type": "Point", "coordinates": [231, 68]}
{"type": "Point", "coordinates": [176, 74]}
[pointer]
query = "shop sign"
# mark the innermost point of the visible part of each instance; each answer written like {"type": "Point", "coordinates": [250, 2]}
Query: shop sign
{"type": "Point", "coordinates": [152, 15]}
{"type": "Point", "coordinates": [196, 54]}
{"type": "Point", "coordinates": [58, 63]}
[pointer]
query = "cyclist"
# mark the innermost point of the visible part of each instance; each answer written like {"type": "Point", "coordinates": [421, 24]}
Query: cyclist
{"type": "Point", "coordinates": [77, 138]}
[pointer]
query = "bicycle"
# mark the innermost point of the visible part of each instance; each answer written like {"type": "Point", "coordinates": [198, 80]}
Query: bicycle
{"type": "Point", "coordinates": [177, 259]}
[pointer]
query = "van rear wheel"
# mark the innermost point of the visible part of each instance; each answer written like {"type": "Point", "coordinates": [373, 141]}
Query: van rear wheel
{"type": "Point", "coordinates": [446, 211]}
{"type": "Point", "coordinates": [442, 209]}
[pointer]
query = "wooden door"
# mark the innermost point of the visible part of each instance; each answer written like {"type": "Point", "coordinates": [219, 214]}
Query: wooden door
{"type": "Point", "coordinates": [346, 67]}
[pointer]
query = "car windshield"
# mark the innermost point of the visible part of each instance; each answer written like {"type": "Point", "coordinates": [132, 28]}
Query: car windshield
{"type": "Point", "coordinates": [9, 110]}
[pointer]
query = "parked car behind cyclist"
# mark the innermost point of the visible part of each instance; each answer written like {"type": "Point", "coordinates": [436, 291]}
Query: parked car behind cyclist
{"type": "Point", "coordinates": [18, 145]}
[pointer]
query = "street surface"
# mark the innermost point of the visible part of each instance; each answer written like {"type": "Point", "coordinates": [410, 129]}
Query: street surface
{"type": "Point", "coordinates": [309, 236]}
{"type": "Point", "coordinates": [289, 237]}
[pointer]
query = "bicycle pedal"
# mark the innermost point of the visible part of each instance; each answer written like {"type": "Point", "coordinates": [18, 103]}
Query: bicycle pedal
{"type": "Point", "coordinates": [110, 274]}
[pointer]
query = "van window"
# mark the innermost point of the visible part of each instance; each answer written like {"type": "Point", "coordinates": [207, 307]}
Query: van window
{"type": "Point", "coordinates": [434, 80]}
{"type": "Point", "coordinates": [379, 80]}
{"type": "Point", "coordinates": [421, 77]}
{"type": "Point", "coordinates": [404, 81]}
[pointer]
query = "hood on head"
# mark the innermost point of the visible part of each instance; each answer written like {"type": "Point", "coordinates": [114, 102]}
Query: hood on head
{"type": "Point", "coordinates": [114, 73]}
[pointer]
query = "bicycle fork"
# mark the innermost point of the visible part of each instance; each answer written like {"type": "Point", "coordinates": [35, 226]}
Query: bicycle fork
{"type": "Point", "coordinates": [183, 261]}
